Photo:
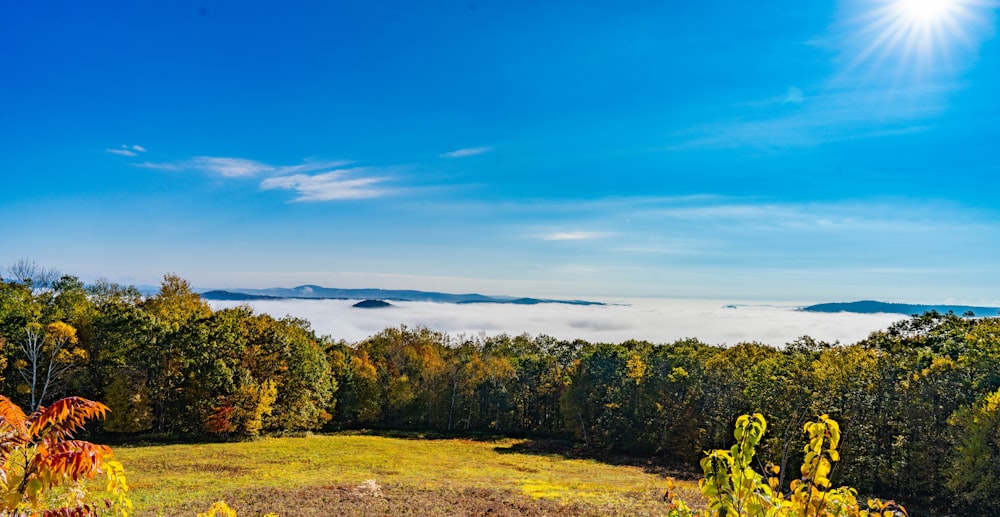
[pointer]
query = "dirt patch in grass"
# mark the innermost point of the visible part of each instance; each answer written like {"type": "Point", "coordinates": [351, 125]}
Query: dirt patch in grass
{"type": "Point", "coordinates": [343, 499]}
{"type": "Point", "coordinates": [216, 468]}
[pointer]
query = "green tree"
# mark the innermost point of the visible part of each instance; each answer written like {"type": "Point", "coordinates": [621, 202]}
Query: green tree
{"type": "Point", "coordinates": [597, 403]}
{"type": "Point", "coordinates": [126, 364]}
{"type": "Point", "coordinates": [847, 384]}
{"type": "Point", "coordinates": [928, 400]}
{"type": "Point", "coordinates": [175, 303]}
{"type": "Point", "coordinates": [729, 390]}
{"type": "Point", "coordinates": [983, 354]}
{"type": "Point", "coordinates": [305, 385]}
{"type": "Point", "coordinates": [673, 399]}
{"type": "Point", "coordinates": [358, 391]}
{"type": "Point", "coordinates": [974, 474]}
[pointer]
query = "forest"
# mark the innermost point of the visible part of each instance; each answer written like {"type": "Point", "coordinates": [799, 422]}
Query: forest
{"type": "Point", "coordinates": [918, 404]}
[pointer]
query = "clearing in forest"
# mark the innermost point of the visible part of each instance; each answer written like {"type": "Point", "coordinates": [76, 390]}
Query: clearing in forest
{"type": "Point", "coordinates": [350, 474]}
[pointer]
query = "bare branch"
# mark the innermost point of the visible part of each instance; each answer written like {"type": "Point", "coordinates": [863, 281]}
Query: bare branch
{"type": "Point", "coordinates": [31, 273]}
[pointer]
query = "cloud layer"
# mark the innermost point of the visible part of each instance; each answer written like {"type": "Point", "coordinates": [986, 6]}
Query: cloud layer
{"type": "Point", "coordinates": [658, 321]}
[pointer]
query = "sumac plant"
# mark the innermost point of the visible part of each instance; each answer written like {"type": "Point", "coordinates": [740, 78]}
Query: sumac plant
{"type": "Point", "coordinates": [43, 469]}
{"type": "Point", "coordinates": [733, 489]}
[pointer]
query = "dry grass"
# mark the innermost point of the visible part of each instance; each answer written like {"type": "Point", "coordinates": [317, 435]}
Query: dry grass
{"type": "Point", "coordinates": [371, 475]}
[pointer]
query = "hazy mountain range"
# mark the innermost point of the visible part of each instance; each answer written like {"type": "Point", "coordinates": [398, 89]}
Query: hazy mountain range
{"type": "Point", "coordinates": [315, 292]}
{"type": "Point", "coordinates": [872, 307]}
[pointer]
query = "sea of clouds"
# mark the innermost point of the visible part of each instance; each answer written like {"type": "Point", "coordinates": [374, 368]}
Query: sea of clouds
{"type": "Point", "coordinates": [654, 320]}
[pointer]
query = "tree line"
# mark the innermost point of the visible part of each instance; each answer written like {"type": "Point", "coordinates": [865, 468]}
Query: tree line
{"type": "Point", "coordinates": [918, 403]}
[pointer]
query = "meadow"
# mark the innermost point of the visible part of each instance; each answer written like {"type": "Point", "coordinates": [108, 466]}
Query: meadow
{"type": "Point", "coordinates": [356, 474]}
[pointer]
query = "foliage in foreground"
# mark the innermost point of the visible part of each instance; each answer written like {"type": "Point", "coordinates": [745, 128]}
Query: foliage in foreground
{"type": "Point", "coordinates": [38, 456]}
{"type": "Point", "coordinates": [733, 489]}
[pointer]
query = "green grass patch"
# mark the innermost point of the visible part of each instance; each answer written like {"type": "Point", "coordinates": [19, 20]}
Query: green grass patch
{"type": "Point", "coordinates": [329, 475]}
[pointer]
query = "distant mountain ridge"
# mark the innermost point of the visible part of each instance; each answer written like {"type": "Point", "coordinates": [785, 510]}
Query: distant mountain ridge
{"type": "Point", "coordinates": [872, 307]}
{"type": "Point", "coordinates": [315, 292]}
{"type": "Point", "coordinates": [236, 296]}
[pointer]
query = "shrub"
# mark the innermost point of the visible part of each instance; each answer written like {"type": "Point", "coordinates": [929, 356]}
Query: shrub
{"type": "Point", "coordinates": [733, 489]}
{"type": "Point", "coordinates": [38, 456]}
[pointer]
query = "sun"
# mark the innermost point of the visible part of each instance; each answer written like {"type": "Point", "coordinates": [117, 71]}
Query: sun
{"type": "Point", "coordinates": [917, 37]}
{"type": "Point", "coordinates": [924, 12]}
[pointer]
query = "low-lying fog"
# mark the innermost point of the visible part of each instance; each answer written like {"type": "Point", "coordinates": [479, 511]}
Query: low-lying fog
{"type": "Point", "coordinates": [657, 321]}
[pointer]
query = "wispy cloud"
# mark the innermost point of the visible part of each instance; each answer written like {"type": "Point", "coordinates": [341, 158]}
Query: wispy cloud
{"type": "Point", "coordinates": [127, 150]}
{"type": "Point", "coordinates": [160, 166]}
{"type": "Point", "coordinates": [573, 236]}
{"type": "Point", "coordinates": [341, 184]}
{"type": "Point", "coordinates": [836, 114]}
{"type": "Point", "coordinates": [468, 151]}
{"type": "Point", "coordinates": [794, 95]}
{"type": "Point", "coordinates": [231, 167]}
{"type": "Point", "coordinates": [240, 167]}
{"type": "Point", "coordinates": [312, 180]}
{"type": "Point", "coordinates": [721, 234]}
{"type": "Point", "coordinates": [851, 217]}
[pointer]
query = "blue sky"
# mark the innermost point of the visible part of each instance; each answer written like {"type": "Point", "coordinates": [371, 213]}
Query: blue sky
{"type": "Point", "coordinates": [721, 149]}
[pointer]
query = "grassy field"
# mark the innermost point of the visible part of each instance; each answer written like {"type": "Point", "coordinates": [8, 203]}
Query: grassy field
{"type": "Point", "coordinates": [372, 475]}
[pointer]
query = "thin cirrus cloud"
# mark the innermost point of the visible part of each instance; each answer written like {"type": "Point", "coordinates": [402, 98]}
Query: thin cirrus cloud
{"type": "Point", "coordinates": [230, 167]}
{"type": "Point", "coordinates": [311, 181]}
{"type": "Point", "coordinates": [127, 150]}
{"type": "Point", "coordinates": [837, 114]}
{"type": "Point", "coordinates": [466, 152]}
{"type": "Point", "coordinates": [573, 236]}
{"type": "Point", "coordinates": [341, 184]}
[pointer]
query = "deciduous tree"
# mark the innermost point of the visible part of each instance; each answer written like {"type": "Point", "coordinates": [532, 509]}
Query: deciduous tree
{"type": "Point", "coordinates": [38, 454]}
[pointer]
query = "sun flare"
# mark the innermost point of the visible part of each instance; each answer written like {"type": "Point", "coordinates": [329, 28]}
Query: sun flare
{"type": "Point", "coordinates": [924, 11]}
{"type": "Point", "coordinates": [918, 36]}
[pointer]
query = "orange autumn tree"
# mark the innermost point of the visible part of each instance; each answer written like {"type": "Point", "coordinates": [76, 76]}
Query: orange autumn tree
{"type": "Point", "coordinates": [42, 468]}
